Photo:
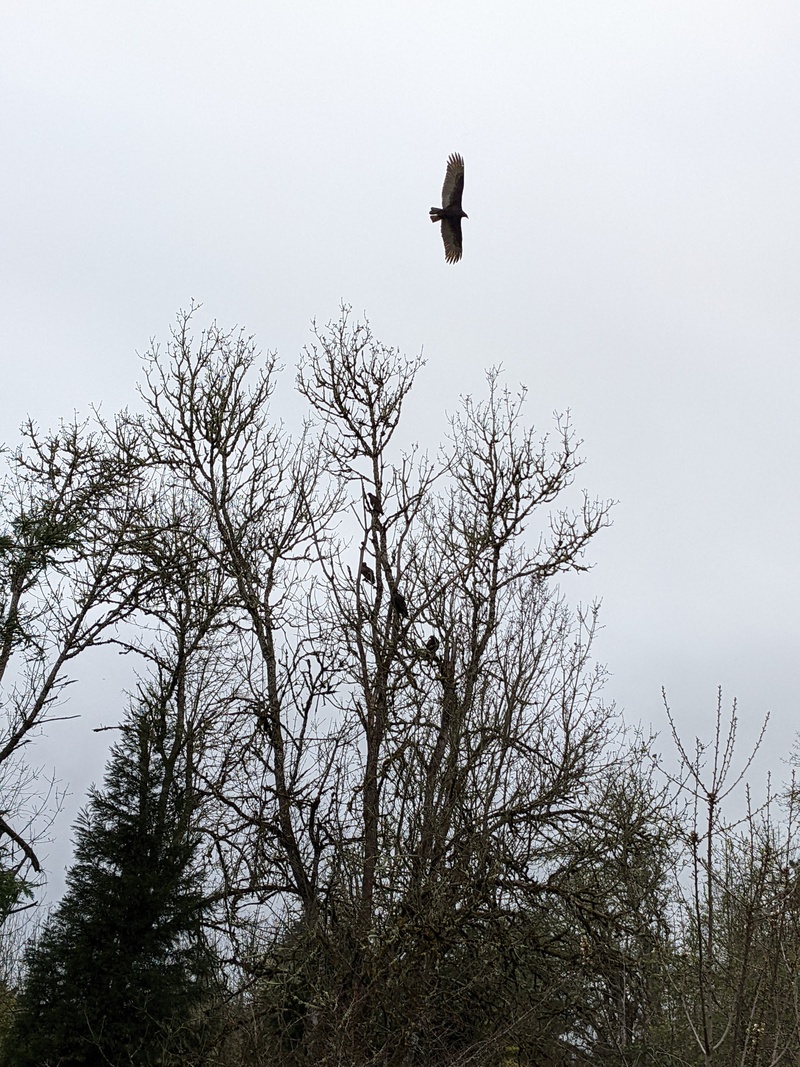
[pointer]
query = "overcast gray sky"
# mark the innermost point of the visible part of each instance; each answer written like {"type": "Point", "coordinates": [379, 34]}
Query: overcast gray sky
{"type": "Point", "coordinates": [632, 253]}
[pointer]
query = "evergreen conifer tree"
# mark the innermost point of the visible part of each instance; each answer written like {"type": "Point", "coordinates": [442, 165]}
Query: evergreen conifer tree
{"type": "Point", "coordinates": [123, 962]}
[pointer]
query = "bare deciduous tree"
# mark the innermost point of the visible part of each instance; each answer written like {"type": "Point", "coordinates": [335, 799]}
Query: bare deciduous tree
{"type": "Point", "coordinates": [389, 799]}
{"type": "Point", "coordinates": [736, 944]}
{"type": "Point", "coordinates": [68, 511]}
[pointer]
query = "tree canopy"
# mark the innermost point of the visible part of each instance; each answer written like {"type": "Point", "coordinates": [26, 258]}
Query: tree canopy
{"type": "Point", "coordinates": [369, 761]}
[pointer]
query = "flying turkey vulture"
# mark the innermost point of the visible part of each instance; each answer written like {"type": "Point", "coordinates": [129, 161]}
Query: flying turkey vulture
{"type": "Point", "coordinates": [367, 573]}
{"type": "Point", "coordinates": [451, 213]}
{"type": "Point", "coordinates": [399, 604]}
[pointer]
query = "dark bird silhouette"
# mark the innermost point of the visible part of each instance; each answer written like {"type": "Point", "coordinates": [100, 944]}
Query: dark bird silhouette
{"type": "Point", "coordinates": [375, 504]}
{"type": "Point", "coordinates": [367, 573]}
{"type": "Point", "coordinates": [399, 604]}
{"type": "Point", "coordinates": [432, 644]}
{"type": "Point", "coordinates": [451, 213]}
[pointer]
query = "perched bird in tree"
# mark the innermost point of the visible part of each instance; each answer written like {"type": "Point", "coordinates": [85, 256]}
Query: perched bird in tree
{"type": "Point", "coordinates": [367, 573]}
{"type": "Point", "coordinates": [399, 604]}
{"type": "Point", "coordinates": [375, 504]}
{"type": "Point", "coordinates": [432, 644]}
{"type": "Point", "coordinates": [451, 213]}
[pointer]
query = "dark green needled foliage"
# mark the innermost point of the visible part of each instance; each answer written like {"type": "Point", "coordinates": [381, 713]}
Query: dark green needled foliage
{"type": "Point", "coordinates": [122, 966]}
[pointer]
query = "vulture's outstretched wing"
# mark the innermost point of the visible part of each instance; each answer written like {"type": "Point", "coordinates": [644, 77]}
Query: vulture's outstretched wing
{"type": "Point", "coordinates": [453, 187]}
{"type": "Point", "coordinates": [451, 235]}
